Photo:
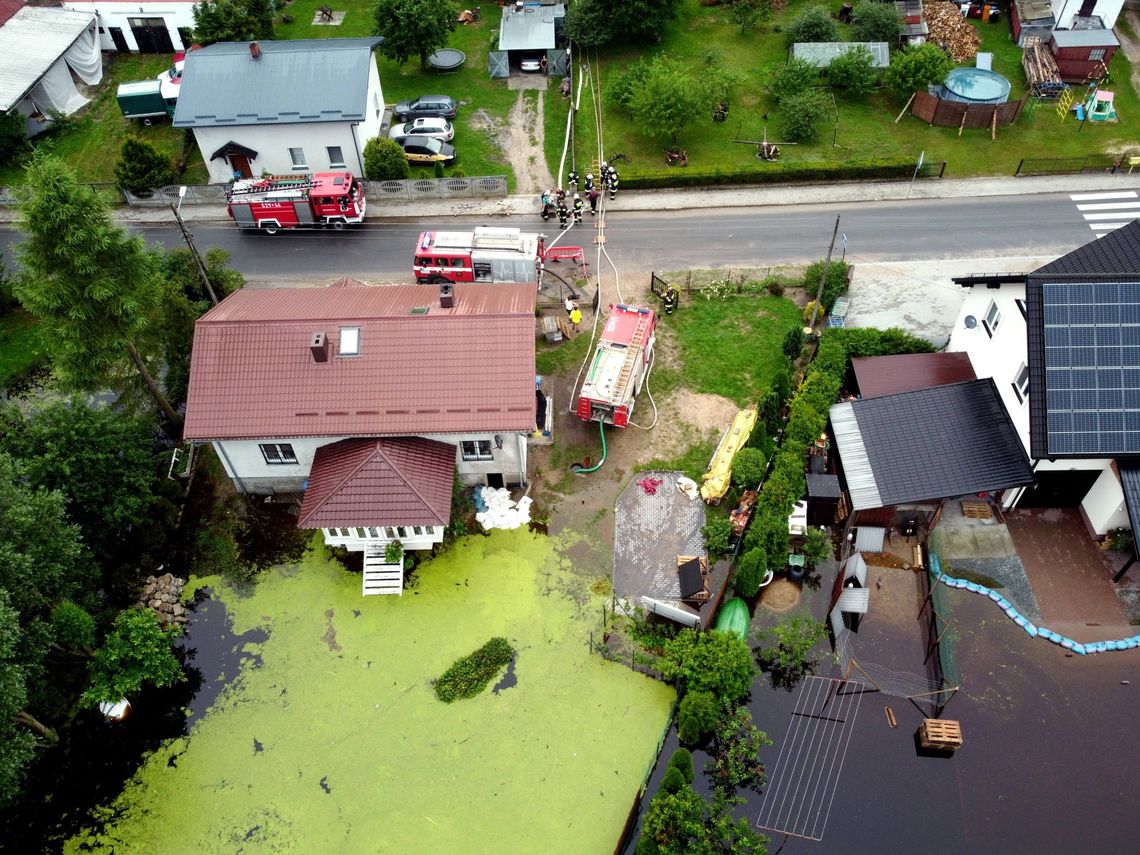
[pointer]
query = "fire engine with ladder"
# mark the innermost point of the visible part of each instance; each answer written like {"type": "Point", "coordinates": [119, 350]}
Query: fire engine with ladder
{"type": "Point", "coordinates": [487, 254]}
{"type": "Point", "coordinates": [333, 199]}
{"type": "Point", "coordinates": [619, 367]}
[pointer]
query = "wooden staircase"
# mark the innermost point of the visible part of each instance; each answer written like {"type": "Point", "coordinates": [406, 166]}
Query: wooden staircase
{"type": "Point", "coordinates": [632, 354]}
{"type": "Point", "coordinates": [380, 577]}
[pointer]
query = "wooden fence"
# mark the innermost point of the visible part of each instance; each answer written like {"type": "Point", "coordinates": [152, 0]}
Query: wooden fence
{"type": "Point", "coordinates": [957, 114]}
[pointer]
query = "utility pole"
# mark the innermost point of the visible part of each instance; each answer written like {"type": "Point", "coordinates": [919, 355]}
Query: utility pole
{"type": "Point", "coordinates": [194, 250]}
{"type": "Point", "coordinates": [823, 279]}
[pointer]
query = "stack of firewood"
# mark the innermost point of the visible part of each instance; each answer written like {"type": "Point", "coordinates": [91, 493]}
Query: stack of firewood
{"type": "Point", "coordinates": [1041, 72]}
{"type": "Point", "coordinates": [950, 30]}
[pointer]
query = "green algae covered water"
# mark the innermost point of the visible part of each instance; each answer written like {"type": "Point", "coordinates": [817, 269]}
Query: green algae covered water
{"type": "Point", "coordinates": [330, 738]}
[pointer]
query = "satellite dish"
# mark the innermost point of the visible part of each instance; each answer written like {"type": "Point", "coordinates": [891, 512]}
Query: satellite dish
{"type": "Point", "coordinates": [971, 322]}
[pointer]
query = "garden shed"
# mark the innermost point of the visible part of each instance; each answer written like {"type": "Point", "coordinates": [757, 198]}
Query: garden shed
{"type": "Point", "coordinates": [820, 54]}
{"type": "Point", "coordinates": [1031, 18]}
{"type": "Point", "coordinates": [1081, 54]}
{"type": "Point", "coordinates": [531, 28]}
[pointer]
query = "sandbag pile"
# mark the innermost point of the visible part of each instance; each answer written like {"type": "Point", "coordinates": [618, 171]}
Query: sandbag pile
{"type": "Point", "coordinates": [497, 510]}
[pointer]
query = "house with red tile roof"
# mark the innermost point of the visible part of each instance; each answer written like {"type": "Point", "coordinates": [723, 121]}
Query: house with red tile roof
{"type": "Point", "coordinates": [370, 400]}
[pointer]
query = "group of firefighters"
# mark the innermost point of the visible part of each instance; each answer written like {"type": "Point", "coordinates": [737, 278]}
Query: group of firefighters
{"type": "Point", "coordinates": [565, 205]}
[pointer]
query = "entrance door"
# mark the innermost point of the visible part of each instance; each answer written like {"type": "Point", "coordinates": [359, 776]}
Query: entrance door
{"type": "Point", "coordinates": [240, 165]}
{"type": "Point", "coordinates": [118, 38]}
{"type": "Point", "coordinates": [151, 35]}
{"type": "Point", "coordinates": [1059, 489]}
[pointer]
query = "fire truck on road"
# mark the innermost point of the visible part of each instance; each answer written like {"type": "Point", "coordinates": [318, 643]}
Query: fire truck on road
{"type": "Point", "coordinates": [620, 365]}
{"type": "Point", "coordinates": [333, 199]}
{"type": "Point", "coordinates": [487, 254]}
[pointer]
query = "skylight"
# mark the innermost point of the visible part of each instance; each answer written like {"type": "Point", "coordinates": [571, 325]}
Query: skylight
{"type": "Point", "coordinates": [349, 341]}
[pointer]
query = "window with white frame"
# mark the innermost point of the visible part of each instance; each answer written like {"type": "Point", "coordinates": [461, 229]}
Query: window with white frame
{"type": "Point", "coordinates": [1096, 54]}
{"type": "Point", "coordinates": [277, 452]}
{"type": "Point", "coordinates": [476, 449]}
{"type": "Point", "coordinates": [350, 341]}
{"type": "Point", "coordinates": [993, 318]}
{"type": "Point", "coordinates": [297, 156]}
{"type": "Point", "coordinates": [1021, 384]}
{"type": "Point", "coordinates": [336, 157]}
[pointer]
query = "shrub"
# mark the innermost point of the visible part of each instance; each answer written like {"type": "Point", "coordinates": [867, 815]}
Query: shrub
{"type": "Point", "coordinates": [682, 760]}
{"type": "Point", "coordinates": [469, 676]}
{"type": "Point", "coordinates": [817, 546]}
{"type": "Point", "coordinates": [72, 628]}
{"type": "Point", "coordinates": [622, 88]}
{"type": "Point", "coordinates": [393, 551]}
{"type": "Point", "coordinates": [854, 70]}
{"type": "Point", "coordinates": [794, 343]}
{"type": "Point", "coordinates": [788, 657]}
{"type": "Point", "coordinates": [141, 167]}
{"type": "Point", "coordinates": [718, 534]}
{"type": "Point", "coordinates": [770, 406]}
{"type": "Point", "coordinates": [775, 286]}
{"type": "Point", "coordinates": [875, 22]}
{"type": "Point", "coordinates": [13, 135]}
{"type": "Point", "coordinates": [751, 572]}
{"type": "Point", "coordinates": [809, 310]}
{"type": "Point", "coordinates": [384, 160]}
{"type": "Point", "coordinates": [813, 24]}
{"type": "Point", "coordinates": [835, 286]}
{"type": "Point", "coordinates": [757, 172]}
{"type": "Point", "coordinates": [736, 754]}
{"type": "Point", "coordinates": [748, 466]}
{"type": "Point", "coordinates": [697, 716]}
{"type": "Point", "coordinates": [717, 662]}
{"type": "Point", "coordinates": [791, 79]}
{"type": "Point", "coordinates": [916, 68]}
{"type": "Point", "coordinates": [803, 115]}
{"type": "Point", "coordinates": [673, 781]}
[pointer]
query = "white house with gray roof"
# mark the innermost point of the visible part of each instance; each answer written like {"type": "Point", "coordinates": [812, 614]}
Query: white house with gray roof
{"type": "Point", "coordinates": [282, 107]}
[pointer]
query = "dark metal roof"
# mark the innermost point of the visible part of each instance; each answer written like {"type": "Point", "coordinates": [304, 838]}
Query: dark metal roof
{"type": "Point", "coordinates": [1130, 483]}
{"type": "Point", "coordinates": [1038, 390]}
{"type": "Point", "coordinates": [950, 440]}
{"type": "Point", "coordinates": [990, 280]}
{"type": "Point", "coordinates": [302, 81]}
{"type": "Point", "coordinates": [888, 375]}
{"type": "Point", "coordinates": [822, 486]}
{"type": "Point", "coordinates": [1115, 254]}
{"type": "Point", "coordinates": [234, 148]}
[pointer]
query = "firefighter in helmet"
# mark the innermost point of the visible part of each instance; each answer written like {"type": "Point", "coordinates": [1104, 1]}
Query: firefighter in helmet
{"type": "Point", "coordinates": [572, 179]}
{"type": "Point", "coordinates": [589, 185]}
{"type": "Point", "coordinates": [577, 208]}
{"type": "Point", "coordinates": [671, 298]}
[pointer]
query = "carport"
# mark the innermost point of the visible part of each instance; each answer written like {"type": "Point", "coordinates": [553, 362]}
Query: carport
{"type": "Point", "coordinates": [529, 28]}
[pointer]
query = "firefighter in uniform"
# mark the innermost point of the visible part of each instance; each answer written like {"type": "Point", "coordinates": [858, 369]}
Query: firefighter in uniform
{"type": "Point", "coordinates": [547, 205]}
{"type": "Point", "coordinates": [613, 183]}
{"type": "Point", "coordinates": [563, 214]}
{"type": "Point", "coordinates": [589, 185]}
{"type": "Point", "coordinates": [593, 197]}
{"type": "Point", "coordinates": [671, 299]}
{"type": "Point", "coordinates": [577, 209]}
{"type": "Point", "coordinates": [572, 179]}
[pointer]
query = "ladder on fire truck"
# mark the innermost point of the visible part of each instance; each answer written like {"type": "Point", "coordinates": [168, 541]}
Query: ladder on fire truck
{"type": "Point", "coordinates": [632, 353]}
{"type": "Point", "coordinates": [272, 183]}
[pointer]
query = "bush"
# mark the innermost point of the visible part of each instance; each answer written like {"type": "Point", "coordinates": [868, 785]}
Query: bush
{"type": "Point", "coordinates": [854, 70]}
{"type": "Point", "coordinates": [623, 87]}
{"type": "Point", "coordinates": [914, 69]}
{"type": "Point", "coordinates": [13, 135]}
{"type": "Point", "coordinates": [791, 79]}
{"type": "Point", "coordinates": [809, 310]}
{"type": "Point", "coordinates": [835, 286]}
{"type": "Point", "coordinates": [875, 22]}
{"type": "Point", "coordinates": [682, 761]}
{"type": "Point", "coordinates": [804, 115]}
{"type": "Point", "coordinates": [751, 572]}
{"type": "Point", "coordinates": [141, 167]}
{"type": "Point", "coordinates": [770, 406]}
{"type": "Point", "coordinates": [794, 343]}
{"type": "Point", "coordinates": [697, 716]}
{"type": "Point", "coordinates": [736, 755]}
{"type": "Point", "coordinates": [718, 534]}
{"type": "Point", "coordinates": [72, 628]}
{"type": "Point", "coordinates": [469, 676]}
{"type": "Point", "coordinates": [393, 551]}
{"type": "Point", "coordinates": [749, 465]}
{"type": "Point", "coordinates": [384, 160]}
{"type": "Point", "coordinates": [788, 657]}
{"type": "Point", "coordinates": [774, 286]}
{"type": "Point", "coordinates": [779, 171]}
{"type": "Point", "coordinates": [716, 662]}
{"type": "Point", "coordinates": [673, 781]}
{"type": "Point", "coordinates": [817, 546]}
{"type": "Point", "coordinates": [813, 24]}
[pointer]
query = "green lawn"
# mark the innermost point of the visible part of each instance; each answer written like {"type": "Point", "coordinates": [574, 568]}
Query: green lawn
{"type": "Point", "coordinates": [90, 141]}
{"type": "Point", "coordinates": [330, 739]}
{"type": "Point", "coordinates": [20, 345]}
{"type": "Point", "coordinates": [706, 36]}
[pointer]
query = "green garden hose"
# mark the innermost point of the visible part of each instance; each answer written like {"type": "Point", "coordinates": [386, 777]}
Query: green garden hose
{"type": "Point", "coordinates": [577, 469]}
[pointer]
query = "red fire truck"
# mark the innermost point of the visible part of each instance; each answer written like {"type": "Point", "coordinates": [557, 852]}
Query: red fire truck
{"type": "Point", "coordinates": [487, 254]}
{"type": "Point", "coordinates": [275, 202]}
{"type": "Point", "coordinates": [619, 367]}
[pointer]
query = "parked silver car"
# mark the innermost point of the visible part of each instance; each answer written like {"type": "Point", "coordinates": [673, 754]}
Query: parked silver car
{"type": "Point", "coordinates": [439, 129]}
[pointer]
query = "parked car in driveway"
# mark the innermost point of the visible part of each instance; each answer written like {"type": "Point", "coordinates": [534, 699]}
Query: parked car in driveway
{"type": "Point", "coordinates": [426, 106]}
{"type": "Point", "coordinates": [439, 129]}
{"type": "Point", "coordinates": [427, 150]}
{"type": "Point", "coordinates": [531, 63]}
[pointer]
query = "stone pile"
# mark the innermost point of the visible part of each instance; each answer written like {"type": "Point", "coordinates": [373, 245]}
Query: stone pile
{"type": "Point", "coordinates": [161, 594]}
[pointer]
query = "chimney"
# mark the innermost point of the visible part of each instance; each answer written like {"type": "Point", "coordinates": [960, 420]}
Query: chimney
{"type": "Point", "coordinates": [446, 295]}
{"type": "Point", "coordinates": [255, 50]}
{"type": "Point", "coordinates": [319, 347]}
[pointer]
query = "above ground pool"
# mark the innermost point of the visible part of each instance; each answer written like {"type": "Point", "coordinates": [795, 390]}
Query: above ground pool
{"type": "Point", "coordinates": [450, 59]}
{"type": "Point", "coordinates": [976, 86]}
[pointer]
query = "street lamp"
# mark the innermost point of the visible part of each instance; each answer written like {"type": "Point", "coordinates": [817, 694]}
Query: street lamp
{"type": "Point", "coordinates": [181, 196]}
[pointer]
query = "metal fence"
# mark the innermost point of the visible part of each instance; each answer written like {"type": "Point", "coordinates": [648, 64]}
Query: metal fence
{"type": "Point", "coordinates": [1070, 165]}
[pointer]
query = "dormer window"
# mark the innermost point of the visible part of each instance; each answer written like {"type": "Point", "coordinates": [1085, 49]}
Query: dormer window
{"type": "Point", "coordinates": [350, 341]}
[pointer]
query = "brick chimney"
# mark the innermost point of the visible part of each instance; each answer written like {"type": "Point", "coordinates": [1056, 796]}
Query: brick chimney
{"type": "Point", "coordinates": [255, 50]}
{"type": "Point", "coordinates": [446, 295]}
{"type": "Point", "coordinates": [319, 346]}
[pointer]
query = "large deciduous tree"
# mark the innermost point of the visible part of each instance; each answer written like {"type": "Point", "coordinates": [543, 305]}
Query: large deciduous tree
{"type": "Point", "coordinates": [875, 22]}
{"type": "Point", "coordinates": [136, 653]}
{"type": "Point", "coordinates": [671, 98]}
{"type": "Point", "coordinates": [915, 68]}
{"type": "Point", "coordinates": [413, 27]}
{"type": "Point", "coordinates": [233, 20]}
{"type": "Point", "coordinates": [17, 742]}
{"type": "Point", "coordinates": [597, 22]}
{"type": "Point", "coordinates": [95, 288]}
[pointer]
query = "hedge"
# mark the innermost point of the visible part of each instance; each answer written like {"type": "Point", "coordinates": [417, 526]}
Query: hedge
{"type": "Point", "coordinates": [469, 676]}
{"type": "Point", "coordinates": [768, 173]}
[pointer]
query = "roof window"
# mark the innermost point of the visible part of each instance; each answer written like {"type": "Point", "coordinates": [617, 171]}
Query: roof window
{"type": "Point", "coordinates": [350, 341]}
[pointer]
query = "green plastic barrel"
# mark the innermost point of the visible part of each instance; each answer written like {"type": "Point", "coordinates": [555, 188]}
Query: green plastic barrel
{"type": "Point", "coordinates": [734, 617]}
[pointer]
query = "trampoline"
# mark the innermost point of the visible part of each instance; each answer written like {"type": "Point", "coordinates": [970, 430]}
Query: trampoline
{"type": "Point", "coordinates": [976, 86]}
{"type": "Point", "coordinates": [448, 59]}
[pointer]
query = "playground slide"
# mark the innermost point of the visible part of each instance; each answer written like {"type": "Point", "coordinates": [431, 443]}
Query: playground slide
{"type": "Point", "coordinates": [720, 468]}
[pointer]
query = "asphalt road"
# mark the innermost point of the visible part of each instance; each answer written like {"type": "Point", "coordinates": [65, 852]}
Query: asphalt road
{"type": "Point", "coordinates": [643, 241]}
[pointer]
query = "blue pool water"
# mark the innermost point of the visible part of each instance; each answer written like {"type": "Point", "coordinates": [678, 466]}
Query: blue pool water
{"type": "Point", "coordinates": [977, 85]}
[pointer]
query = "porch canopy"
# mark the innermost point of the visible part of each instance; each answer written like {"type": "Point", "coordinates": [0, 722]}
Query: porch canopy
{"type": "Point", "coordinates": [876, 376]}
{"type": "Point", "coordinates": [928, 444]}
{"type": "Point", "coordinates": [234, 148]}
{"type": "Point", "coordinates": [379, 482]}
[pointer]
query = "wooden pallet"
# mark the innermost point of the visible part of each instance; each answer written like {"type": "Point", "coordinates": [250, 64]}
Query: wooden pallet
{"type": "Point", "coordinates": [977, 510]}
{"type": "Point", "coordinates": [941, 733]}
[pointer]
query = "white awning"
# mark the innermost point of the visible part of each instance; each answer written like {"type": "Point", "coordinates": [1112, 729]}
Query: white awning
{"type": "Point", "coordinates": [37, 47]}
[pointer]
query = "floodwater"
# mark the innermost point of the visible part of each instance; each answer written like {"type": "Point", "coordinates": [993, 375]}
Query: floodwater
{"type": "Point", "coordinates": [1049, 762]}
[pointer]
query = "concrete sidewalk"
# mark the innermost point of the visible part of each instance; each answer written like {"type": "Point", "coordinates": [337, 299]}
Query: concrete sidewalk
{"type": "Point", "coordinates": [842, 193]}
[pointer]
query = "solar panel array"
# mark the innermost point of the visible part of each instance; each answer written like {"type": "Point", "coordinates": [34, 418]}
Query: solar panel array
{"type": "Point", "coordinates": [1092, 367]}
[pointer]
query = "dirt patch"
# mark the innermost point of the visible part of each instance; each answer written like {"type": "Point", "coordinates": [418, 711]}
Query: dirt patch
{"type": "Point", "coordinates": [1131, 46]}
{"type": "Point", "coordinates": [329, 637]}
{"type": "Point", "coordinates": [780, 596]}
{"type": "Point", "coordinates": [521, 138]}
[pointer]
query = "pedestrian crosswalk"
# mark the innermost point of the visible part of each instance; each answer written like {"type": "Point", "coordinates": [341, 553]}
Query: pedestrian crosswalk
{"type": "Point", "coordinates": [1105, 212]}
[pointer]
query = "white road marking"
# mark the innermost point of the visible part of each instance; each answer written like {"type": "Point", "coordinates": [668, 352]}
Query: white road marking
{"type": "Point", "coordinates": [1093, 197]}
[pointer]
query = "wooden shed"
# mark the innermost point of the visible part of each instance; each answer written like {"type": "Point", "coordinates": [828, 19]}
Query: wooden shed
{"type": "Point", "coordinates": [1082, 54]}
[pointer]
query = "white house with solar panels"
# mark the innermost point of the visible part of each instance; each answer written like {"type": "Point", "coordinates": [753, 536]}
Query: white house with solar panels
{"type": "Point", "coordinates": [282, 107]}
{"type": "Point", "coordinates": [1062, 345]}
